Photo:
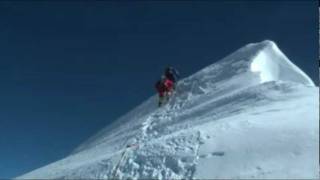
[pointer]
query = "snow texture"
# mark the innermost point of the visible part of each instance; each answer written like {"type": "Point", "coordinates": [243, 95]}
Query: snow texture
{"type": "Point", "coordinates": [253, 114]}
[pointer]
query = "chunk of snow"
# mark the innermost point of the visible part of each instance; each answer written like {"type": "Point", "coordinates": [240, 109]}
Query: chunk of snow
{"type": "Point", "coordinates": [273, 65]}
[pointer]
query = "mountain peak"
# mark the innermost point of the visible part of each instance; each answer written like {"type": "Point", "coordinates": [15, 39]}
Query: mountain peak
{"type": "Point", "coordinates": [253, 64]}
{"type": "Point", "coordinates": [235, 119]}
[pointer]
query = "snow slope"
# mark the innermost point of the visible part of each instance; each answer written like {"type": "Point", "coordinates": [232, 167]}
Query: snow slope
{"type": "Point", "coordinates": [253, 114]}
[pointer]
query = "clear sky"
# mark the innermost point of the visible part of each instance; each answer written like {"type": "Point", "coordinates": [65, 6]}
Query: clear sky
{"type": "Point", "coordinates": [68, 69]}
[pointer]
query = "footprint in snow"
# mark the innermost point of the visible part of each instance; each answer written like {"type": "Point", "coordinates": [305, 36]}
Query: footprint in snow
{"type": "Point", "coordinates": [216, 153]}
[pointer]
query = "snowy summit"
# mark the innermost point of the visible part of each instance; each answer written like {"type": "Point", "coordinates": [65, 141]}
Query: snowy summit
{"type": "Point", "coordinates": [253, 114]}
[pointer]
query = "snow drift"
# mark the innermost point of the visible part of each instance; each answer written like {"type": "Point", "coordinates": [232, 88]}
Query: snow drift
{"type": "Point", "coordinates": [253, 114]}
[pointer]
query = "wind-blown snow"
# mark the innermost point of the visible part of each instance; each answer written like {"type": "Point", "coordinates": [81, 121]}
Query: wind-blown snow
{"type": "Point", "coordinates": [253, 114]}
{"type": "Point", "coordinates": [278, 68]}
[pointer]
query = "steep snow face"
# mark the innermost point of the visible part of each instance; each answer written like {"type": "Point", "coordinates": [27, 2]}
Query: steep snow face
{"type": "Point", "coordinates": [253, 114]}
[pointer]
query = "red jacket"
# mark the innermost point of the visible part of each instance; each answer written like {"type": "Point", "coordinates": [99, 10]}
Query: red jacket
{"type": "Point", "coordinates": [168, 84]}
{"type": "Point", "coordinates": [164, 86]}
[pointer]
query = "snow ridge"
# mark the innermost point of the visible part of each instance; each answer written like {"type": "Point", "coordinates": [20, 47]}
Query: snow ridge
{"type": "Point", "coordinates": [253, 64]}
{"type": "Point", "coordinates": [246, 94]}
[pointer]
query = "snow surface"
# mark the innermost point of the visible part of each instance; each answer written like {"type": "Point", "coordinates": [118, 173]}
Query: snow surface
{"type": "Point", "coordinates": [253, 114]}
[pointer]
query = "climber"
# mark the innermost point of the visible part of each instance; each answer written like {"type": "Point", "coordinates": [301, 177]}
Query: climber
{"type": "Point", "coordinates": [172, 74]}
{"type": "Point", "coordinates": [164, 87]}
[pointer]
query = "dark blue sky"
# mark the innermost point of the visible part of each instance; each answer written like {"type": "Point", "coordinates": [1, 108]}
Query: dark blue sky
{"type": "Point", "coordinates": [68, 69]}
